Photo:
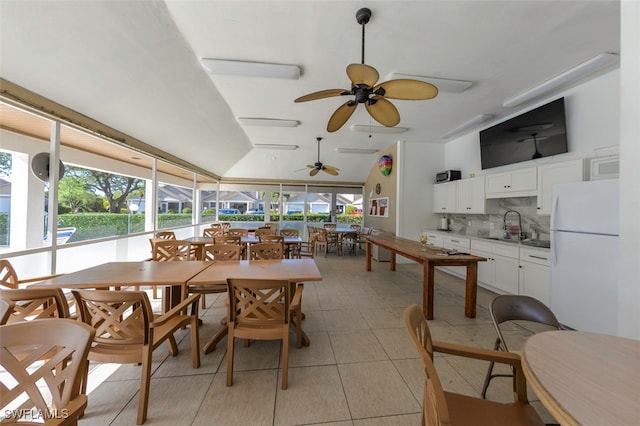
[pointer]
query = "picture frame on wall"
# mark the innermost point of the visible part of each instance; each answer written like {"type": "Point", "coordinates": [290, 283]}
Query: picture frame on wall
{"type": "Point", "coordinates": [379, 207]}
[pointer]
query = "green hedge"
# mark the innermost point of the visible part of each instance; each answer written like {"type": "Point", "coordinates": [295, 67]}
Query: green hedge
{"type": "Point", "coordinates": [4, 229]}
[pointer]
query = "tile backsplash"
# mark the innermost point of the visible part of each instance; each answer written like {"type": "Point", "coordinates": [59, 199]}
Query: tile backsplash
{"type": "Point", "coordinates": [492, 225]}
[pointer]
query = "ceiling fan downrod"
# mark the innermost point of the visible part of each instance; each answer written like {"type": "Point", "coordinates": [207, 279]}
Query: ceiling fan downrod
{"type": "Point", "coordinates": [362, 16]}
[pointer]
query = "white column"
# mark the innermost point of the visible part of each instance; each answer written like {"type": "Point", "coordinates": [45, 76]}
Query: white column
{"type": "Point", "coordinates": [150, 199]}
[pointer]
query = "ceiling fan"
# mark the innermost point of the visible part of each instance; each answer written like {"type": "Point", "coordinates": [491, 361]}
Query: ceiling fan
{"type": "Point", "coordinates": [365, 91]}
{"type": "Point", "coordinates": [319, 166]}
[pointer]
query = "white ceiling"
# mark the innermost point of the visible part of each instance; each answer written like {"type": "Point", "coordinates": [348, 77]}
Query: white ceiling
{"type": "Point", "coordinates": [135, 66]}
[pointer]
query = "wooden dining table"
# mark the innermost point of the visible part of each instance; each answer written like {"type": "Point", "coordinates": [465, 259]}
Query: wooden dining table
{"type": "Point", "coordinates": [585, 378]}
{"type": "Point", "coordinates": [172, 275]}
{"type": "Point", "coordinates": [430, 258]}
{"type": "Point", "coordinates": [292, 270]}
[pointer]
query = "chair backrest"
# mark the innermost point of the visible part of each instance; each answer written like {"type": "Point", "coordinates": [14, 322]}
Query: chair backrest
{"type": "Point", "coordinates": [272, 225]}
{"type": "Point", "coordinates": [272, 239]}
{"type": "Point", "coordinates": [31, 304]}
{"type": "Point", "coordinates": [238, 232]}
{"type": "Point", "coordinates": [350, 237]}
{"type": "Point", "coordinates": [329, 225]}
{"type": "Point", "coordinates": [356, 227]}
{"type": "Point", "coordinates": [121, 319]}
{"type": "Point", "coordinates": [225, 226]}
{"type": "Point", "coordinates": [166, 235]}
{"type": "Point", "coordinates": [320, 235]}
{"type": "Point", "coordinates": [212, 232]}
{"type": "Point", "coordinates": [170, 250]}
{"type": "Point", "coordinates": [266, 251]}
{"type": "Point", "coordinates": [434, 403]}
{"type": "Point", "coordinates": [264, 231]}
{"type": "Point", "coordinates": [289, 232]}
{"type": "Point", "coordinates": [227, 239]}
{"type": "Point", "coordinates": [303, 249]}
{"type": "Point", "coordinates": [8, 276]}
{"type": "Point", "coordinates": [46, 360]}
{"type": "Point", "coordinates": [519, 308]}
{"type": "Point", "coordinates": [222, 252]}
{"type": "Point", "coordinates": [258, 303]}
{"type": "Point", "coordinates": [216, 226]}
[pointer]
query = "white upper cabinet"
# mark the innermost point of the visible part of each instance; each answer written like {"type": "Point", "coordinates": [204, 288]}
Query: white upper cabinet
{"type": "Point", "coordinates": [515, 183]}
{"type": "Point", "coordinates": [471, 196]}
{"type": "Point", "coordinates": [445, 197]}
{"type": "Point", "coordinates": [552, 174]}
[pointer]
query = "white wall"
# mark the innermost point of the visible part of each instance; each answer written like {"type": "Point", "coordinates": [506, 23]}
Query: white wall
{"type": "Point", "coordinates": [420, 162]}
{"type": "Point", "coordinates": [592, 114]}
{"type": "Point", "coordinates": [629, 284]}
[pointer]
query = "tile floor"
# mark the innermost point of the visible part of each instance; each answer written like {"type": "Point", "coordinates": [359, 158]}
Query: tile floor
{"type": "Point", "coordinates": [361, 368]}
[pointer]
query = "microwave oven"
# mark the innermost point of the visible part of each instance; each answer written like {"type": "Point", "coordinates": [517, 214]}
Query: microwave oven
{"type": "Point", "coordinates": [448, 176]}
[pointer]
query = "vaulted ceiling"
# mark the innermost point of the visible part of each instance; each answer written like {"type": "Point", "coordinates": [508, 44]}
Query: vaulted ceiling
{"type": "Point", "coordinates": [135, 66]}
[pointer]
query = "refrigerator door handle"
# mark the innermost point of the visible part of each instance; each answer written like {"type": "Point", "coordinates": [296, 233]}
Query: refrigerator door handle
{"type": "Point", "coordinates": [554, 260]}
{"type": "Point", "coordinates": [554, 207]}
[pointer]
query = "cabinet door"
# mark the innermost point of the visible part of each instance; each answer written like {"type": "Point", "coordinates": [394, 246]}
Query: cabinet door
{"type": "Point", "coordinates": [486, 270]}
{"type": "Point", "coordinates": [524, 180]}
{"type": "Point", "coordinates": [477, 199]}
{"type": "Point", "coordinates": [463, 189]}
{"type": "Point", "coordinates": [552, 174]}
{"type": "Point", "coordinates": [506, 274]}
{"type": "Point", "coordinates": [498, 182]}
{"type": "Point", "coordinates": [439, 198]}
{"type": "Point", "coordinates": [451, 197]}
{"type": "Point", "coordinates": [535, 281]}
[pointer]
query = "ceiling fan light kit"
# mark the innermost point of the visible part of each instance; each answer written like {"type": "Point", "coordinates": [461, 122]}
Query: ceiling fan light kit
{"type": "Point", "coordinates": [250, 69]}
{"type": "Point", "coordinates": [481, 118]}
{"type": "Point", "coordinates": [374, 96]}
{"type": "Point", "coordinates": [591, 66]}
{"type": "Point", "coordinates": [443, 84]}
{"type": "Point", "coordinates": [365, 128]}
{"type": "Point", "coordinates": [275, 146]}
{"type": "Point", "coordinates": [267, 122]}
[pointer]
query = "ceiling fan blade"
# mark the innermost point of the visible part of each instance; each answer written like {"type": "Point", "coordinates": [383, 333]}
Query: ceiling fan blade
{"type": "Point", "coordinates": [331, 170]}
{"type": "Point", "coordinates": [407, 89]}
{"type": "Point", "coordinates": [383, 111]}
{"type": "Point", "coordinates": [314, 172]}
{"type": "Point", "coordinates": [341, 115]}
{"type": "Point", "coordinates": [322, 94]}
{"type": "Point", "coordinates": [362, 74]}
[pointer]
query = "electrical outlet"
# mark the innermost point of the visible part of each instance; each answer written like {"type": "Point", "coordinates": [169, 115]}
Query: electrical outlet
{"type": "Point", "coordinates": [469, 224]}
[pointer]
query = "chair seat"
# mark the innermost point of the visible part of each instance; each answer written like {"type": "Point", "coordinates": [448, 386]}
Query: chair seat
{"type": "Point", "coordinates": [207, 289]}
{"type": "Point", "coordinates": [466, 410]}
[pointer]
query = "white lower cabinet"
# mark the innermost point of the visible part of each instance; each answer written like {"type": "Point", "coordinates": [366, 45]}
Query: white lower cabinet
{"type": "Point", "coordinates": [500, 271]}
{"type": "Point", "coordinates": [535, 274]}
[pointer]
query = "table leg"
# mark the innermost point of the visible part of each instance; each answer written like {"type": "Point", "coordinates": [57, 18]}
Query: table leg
{"type": "Point", "coordinates": [392, 263]}
{"type": "Point", "coordinates": [368, 254]}
{"type": "Point", "coordinates": [471, 290]}
{"type": "Point", "coordinates": [428, 272]}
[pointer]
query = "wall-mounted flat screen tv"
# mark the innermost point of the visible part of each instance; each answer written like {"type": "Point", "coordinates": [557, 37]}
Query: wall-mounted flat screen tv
{"type": "Point", "coordinates": [538, 133]}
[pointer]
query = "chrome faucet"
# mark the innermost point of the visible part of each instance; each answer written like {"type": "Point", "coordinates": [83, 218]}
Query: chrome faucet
{"type": "Point", "coordinates": [507, 234]}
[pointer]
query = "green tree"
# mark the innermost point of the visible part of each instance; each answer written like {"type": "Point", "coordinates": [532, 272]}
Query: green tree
{"type": "Point", "coordinates": [116, 188]}
{"type": "Point", "coordinates": [73, 193]}
{"type": "Point", "coordinates": [5, 164]}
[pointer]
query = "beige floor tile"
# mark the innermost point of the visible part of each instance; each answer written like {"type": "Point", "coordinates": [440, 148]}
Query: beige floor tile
{"type": "Point", "coordinates": [396, 342]}
{"type": "Point", "coordinates": [376, 389]}
{"type": "Point", "coordinates": [319, 352]}
{"type": "Point", "coordinates": [356, 346]}
{"type": "Point", "coordinates": [172, 401]}
{"type": "Point", "coordinates": [403, 420]}
{"type": "Point", "coordinates": [412, 371]}
{"type": "Point", "coordinates": [314, 395]}
{"type": "Point", "coordinates": [259, 355]}
{"type": "Point", "coordinates": [106, 401]}
{"type": "Point", "coordinates": [249, 401]}
{"type": "Point", "coordinates": [344, 319]}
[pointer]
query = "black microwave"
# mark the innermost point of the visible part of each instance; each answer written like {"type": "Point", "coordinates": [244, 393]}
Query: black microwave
{"type": "Point", "coordinates": [448, 176]}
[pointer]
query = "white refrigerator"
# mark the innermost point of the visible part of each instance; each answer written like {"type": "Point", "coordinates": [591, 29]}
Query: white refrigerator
{"type": "Point", "coordinates": [584, 255]}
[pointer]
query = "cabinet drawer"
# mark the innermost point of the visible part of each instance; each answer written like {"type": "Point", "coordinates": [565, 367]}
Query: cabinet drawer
{"type": "Point", "coordinates": [540, 257]}
{"type": "Point", "coordinates": [435, 240]}
{"type": "Point", "coordinates": [457, 243]}
{"type": "Point", "coordinates": [479, 245]}
{"type": "Point", "coordinates": [506, 250]}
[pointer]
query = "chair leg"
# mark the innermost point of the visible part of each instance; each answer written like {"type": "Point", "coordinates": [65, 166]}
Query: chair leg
{"type": "Point", "coordinates": [204, 301]}
{"type": "Point", "coordinates": [489, 376]}
{"type": "Point", "coordinates": [195, 342]}
{"type": "Point", "coordinates": [285, 359]}
{"type": "Point", "coordinates": [145, 382]}
{"type": "Point", "coordinates": [230, 340]}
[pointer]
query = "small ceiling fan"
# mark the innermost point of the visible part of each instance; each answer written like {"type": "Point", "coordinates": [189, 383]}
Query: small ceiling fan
{"type": "Point", "coordinates": [363, 79]}
{"type": "Point", "coordinates": [319, 166]}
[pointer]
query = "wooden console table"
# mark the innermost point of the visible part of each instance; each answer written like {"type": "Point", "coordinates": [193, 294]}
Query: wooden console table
{"type": "Point", "coordinates": [430, 258]}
